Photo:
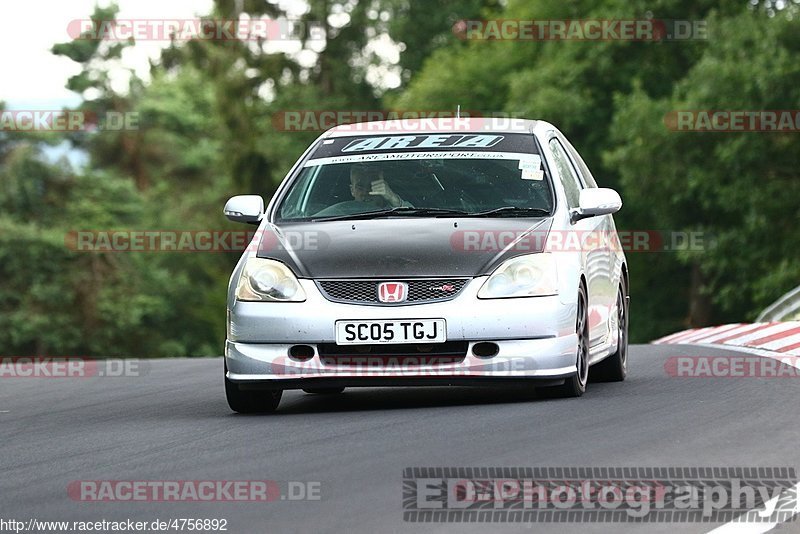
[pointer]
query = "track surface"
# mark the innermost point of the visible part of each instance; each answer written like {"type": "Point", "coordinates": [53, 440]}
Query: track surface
{"type": "Point", "coordinates": [173, 423]}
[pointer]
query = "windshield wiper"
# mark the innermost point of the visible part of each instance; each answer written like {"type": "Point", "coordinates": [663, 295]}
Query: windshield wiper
{"type": "Point", "coordinates": [399, 210]}
{"type": "Point", "coordinates": [512, 211]}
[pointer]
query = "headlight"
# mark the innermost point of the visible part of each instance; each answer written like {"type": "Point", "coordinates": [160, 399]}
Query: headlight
{"type": "Point", "coordinates": [532, 275]}
{"type": "Point", "coordinates": [270, 281]}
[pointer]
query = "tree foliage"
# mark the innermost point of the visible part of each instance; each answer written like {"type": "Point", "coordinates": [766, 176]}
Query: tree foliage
{"type": "Point", "coordinates": [206, 132]}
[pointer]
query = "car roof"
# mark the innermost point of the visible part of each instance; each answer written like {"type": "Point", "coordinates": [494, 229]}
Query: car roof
{"type": "Point", "coordinates": [441, 125]}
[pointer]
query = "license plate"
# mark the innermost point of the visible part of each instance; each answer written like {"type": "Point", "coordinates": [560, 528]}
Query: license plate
{"type": "Point", "coordinates": [390, 331]}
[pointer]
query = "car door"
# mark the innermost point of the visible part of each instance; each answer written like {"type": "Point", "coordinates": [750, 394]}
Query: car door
{"type": "Point", "coordinates": [589, 237]}
{"type": "Point", "coordinates": [611, 243]}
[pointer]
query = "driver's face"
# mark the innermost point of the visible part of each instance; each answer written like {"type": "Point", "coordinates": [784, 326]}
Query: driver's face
{"type": "Point", "coordinates": [360, 186]}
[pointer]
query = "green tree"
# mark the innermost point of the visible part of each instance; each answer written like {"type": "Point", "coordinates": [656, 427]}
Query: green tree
{"type": "Point", "coordinates": [741, 189]}
{"type": "Point", "coordinates": [592, 89]}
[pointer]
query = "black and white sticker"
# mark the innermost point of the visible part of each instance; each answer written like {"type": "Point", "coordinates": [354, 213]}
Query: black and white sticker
{"type": "Point", "coordinates": [400, 142]}
{"type": "Point", "coordinates": [428, 155]}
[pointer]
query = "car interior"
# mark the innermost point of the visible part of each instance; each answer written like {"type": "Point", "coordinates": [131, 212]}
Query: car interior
{"type": "Point", "coordinates": [461, 184]}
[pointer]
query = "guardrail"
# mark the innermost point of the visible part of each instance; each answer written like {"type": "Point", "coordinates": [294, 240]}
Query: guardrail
{"type": "Point", "coordinates": [786, 308]}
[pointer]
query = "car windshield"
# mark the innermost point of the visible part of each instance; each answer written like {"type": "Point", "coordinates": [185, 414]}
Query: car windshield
{"type": "Point", "coordinates": [420, 175]}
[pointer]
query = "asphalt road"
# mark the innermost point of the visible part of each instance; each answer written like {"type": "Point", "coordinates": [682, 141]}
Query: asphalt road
{"type": "Point", "coordinates": [172, 423]}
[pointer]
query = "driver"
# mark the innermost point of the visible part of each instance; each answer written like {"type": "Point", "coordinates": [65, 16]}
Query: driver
{"type": "Point", "coordinates": [370, 193]}
{"type": "Point", "coordinates": [368, 185]}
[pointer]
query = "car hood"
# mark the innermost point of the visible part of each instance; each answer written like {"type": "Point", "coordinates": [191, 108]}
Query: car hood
{"type": "Point", "coordinates": [398, 248]}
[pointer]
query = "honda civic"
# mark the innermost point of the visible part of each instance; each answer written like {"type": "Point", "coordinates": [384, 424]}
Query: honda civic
{"type": "Point", "coordinates": [468, 252]}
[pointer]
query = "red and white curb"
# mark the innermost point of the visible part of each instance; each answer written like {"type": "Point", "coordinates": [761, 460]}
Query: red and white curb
{"type": "Point", "coordinates": [763, 339]}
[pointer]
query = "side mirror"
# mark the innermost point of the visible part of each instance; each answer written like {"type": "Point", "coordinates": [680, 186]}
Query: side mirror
{"type": "Point", "coordinates": [596, 201]}
{"type": "Point", "coordinates": [245, 208]}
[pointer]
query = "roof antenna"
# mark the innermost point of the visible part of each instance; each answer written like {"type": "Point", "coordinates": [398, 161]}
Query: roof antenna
{"type": "Point", "coordinates": [458, 111]}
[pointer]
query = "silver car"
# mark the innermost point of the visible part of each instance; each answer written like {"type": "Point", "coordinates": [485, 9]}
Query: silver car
{"type": "Point", "coordinates": [413, 252]}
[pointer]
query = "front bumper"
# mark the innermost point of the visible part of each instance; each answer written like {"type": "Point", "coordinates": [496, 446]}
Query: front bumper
{"type": "Point", "coordinates": [535, 337]}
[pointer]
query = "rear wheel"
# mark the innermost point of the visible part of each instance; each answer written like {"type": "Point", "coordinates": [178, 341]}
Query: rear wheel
{"type": "Point", "coordinates": [575, 385]}
{"type": "Point", "coordinates": [246, 401]}
{"type": "Point", "coordinates": [324, 391]}
{"type": "Point", "coordinates": [615, 367]}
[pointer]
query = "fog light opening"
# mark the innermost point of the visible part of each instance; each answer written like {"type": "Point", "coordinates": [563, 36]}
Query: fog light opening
{"type": "Point", "coordinates": [485, 349]}
{"type": "Point", "coordinates": [301, 352]}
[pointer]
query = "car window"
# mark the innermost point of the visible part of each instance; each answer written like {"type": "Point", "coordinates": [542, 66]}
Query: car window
{"type": "Point", "coordinates": [583, 169]}
{"type": "Point", "coordinates": [566, 173]}
{"type": "Point", "coordinates": [470, 173]}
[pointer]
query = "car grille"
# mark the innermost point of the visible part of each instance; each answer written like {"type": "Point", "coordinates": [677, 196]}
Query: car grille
{"type": "Point", "coordinates": [366, 291]}
{"type": "Point", "coordinates": [409, 354]}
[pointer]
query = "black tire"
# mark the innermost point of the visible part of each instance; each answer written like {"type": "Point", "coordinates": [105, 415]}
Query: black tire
{"type": "Point", "coordinates": [575, 385]}
{"type": "Point", "coordinates": [324, 391]}
{"type": "Point", "coordinates": [247, 401]}
{"type": "Point", "coordinates": [615, 367]}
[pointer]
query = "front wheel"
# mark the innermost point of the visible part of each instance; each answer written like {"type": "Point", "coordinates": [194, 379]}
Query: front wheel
{"type": "Point", "coordinates": [615, 367]}
{"type": "Point", "coordinates": [575, 385]}
{"type": "Point", "coordinates": [246, 401]}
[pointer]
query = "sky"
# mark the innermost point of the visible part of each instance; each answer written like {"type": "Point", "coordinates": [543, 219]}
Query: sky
{"type": "Point", "coordinates": [29, 29]}
{"type": "Point", "coordinates": [33, 78]}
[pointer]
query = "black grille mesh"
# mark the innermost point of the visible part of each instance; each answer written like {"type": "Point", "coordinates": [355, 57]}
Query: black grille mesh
{"type": "Point", "coordinates": [366, 291]}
